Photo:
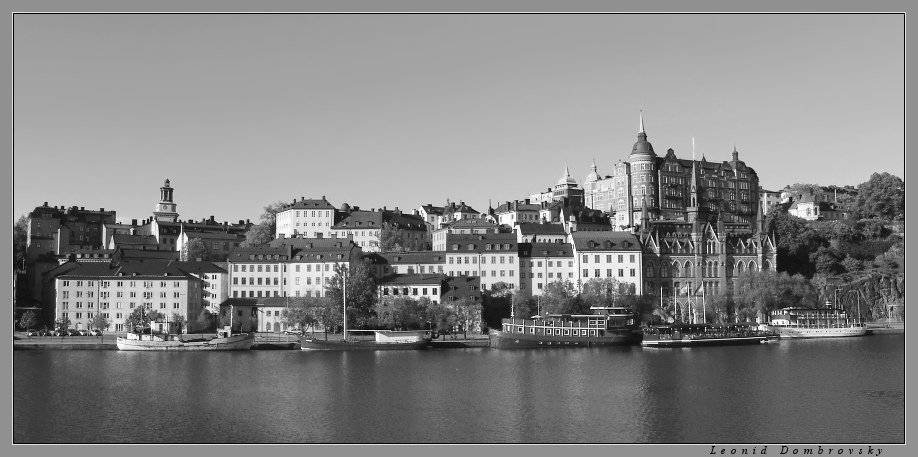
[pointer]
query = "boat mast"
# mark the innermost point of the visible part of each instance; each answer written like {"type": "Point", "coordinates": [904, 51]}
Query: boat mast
{"type": "Point", "coordinates": [344, 302]}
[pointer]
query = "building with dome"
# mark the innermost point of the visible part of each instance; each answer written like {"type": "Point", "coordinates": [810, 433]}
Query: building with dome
{"type": "Point", "coordinates": [566, 190]}
{"type": "Point", "coordinates": [673, 189]}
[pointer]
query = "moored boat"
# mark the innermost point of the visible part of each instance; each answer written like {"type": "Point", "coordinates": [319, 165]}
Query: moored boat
{"type": "Point", "coordinates": [828, 322]}
{"type": "Point", "coordinates": [688, 335]}
{"type": "Point", "coordinates": [167, 342]}
{"type": "Point", "coordinates": [613, 326]}
{"type": "Point", "coordinates": [370, 340]}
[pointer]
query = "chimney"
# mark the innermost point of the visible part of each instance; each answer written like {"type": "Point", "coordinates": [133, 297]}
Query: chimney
{"type": "Point", "coordinates": [133, 221]}
{"type": "Point", "coordinates": [211, 219]}
{"type": "Point", "coordinates": [82, 208]}
{"type": "Point", "coordinates": [397, 210]}
{"type": "Point", "coordinates": [415, 212]}
{"type": "Point", "coordinates": [247, 221]}
{"type": "Point", "coordinates": [101, 210]}
{"type": "Point", "coordinates": [240, 222]}
{"type": "Point", "coordinates": [45, 205]}
{"type": "Point", "coordinates": [527, 201]}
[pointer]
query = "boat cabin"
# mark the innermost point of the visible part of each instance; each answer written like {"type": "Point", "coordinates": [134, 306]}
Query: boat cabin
{"type": "Point", "coordinates": [830, 316]}
{"type": "Point", "coordinates": [581, 325]}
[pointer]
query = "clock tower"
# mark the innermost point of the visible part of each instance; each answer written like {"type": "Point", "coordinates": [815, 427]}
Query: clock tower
{"type": "Point", "coordinates": [165, 209]}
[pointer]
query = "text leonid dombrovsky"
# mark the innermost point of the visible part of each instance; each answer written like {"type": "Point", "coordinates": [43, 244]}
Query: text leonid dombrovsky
{"type": "Point", "coordinates": [798, 450]}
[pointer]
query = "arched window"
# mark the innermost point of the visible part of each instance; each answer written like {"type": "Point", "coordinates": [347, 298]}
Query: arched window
{"type": "Point", "coordinates": [677, 270]}
{"type": "Point", "coordinates": [689, 269]}
{"type": "Point", "coordinates": [766, 266]}
{"type": "Point", "coordinates": [664, 269]}
{"type": "Point", "coordinates": [740, 267]}
{"type": "Point", "coordinates": [729, 266]}
{"type": "Point", "coordinates": [643, 190]}
{"type": "Point", "coordinates": [716, 269]}
{"type": "Point", "coordinates": [649, 271]}
{"type": "Point", "coordinates": [753, 266]}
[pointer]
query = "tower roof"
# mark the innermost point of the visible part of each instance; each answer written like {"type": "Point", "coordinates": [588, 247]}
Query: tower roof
{"type": "Point", "coordinates": [642, 149]}
{"type": "Point", "coordinates": [594, 175]}
{"type": "Point", "coordinates": [567, 179]}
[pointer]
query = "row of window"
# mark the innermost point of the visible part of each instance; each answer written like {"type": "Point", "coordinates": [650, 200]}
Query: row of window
{"type": "Point", "coordinates": [484, 259]}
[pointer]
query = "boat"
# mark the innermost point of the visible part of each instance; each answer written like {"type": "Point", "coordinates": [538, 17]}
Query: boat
{"type": "Point", "coordinates": [370, 340]}
{"type": "Point", "coordinates": [367, 340]}
{"type": "Point", "coordinates": [830, 321]}
{"type": "Point", "coordinates": [611, 327]}
{"type": "Point", "coordinates": [690, 335]}
{"type": "Point", "coordinates": [224, 341]}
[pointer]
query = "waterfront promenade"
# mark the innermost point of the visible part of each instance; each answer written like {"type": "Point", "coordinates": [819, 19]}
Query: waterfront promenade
{"type": "Point", "coordinates": [262, 341]}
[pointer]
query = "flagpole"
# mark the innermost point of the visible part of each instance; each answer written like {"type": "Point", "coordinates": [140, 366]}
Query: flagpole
{"type": "Point", "coordinates": [703, 308]}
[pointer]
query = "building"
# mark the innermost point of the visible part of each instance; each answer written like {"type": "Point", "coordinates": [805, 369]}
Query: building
{"type": "Point", "coordinates": [516, 212]}
{"type": "Point", "coordinates": [312, 218]}
{"type": "Point", "coordinates": [494, 257]}
{"type": "Point", "coordinates": [116, 289]}
{"type": "Point", "coordinates": [768, 200]}
{"type": "Point", "coordinates": [383, 264]}
{"type": "Point", "coordinates": [366, 229]}
{"type": "Point", "coordinates": [540, 233]}
{"type": "Point", "coordinates": [288, 267]}
{"type": "Point", "coordinates": [608, 255]}
{"type": "Point", "coordinates": [674, 189]}
{"type": "Point", "coordinates": [565, 189]}
{"type": "Point", "coordinates": [167, 228]}
{"type": "Point", "coordinates": [542, 263]}
{"type": "Point", "coordinates": [54, 231]}
{"type": "Point", "coordinates": [214, 282]}
{"type": "Point", "coordinates": [807, 206]}
{"type": "Point", "coordinates": [468, 226]}
{"type": "Point", "coordinates": [687, 262]}
{"type": "Point", "coordinates": [415, 286]}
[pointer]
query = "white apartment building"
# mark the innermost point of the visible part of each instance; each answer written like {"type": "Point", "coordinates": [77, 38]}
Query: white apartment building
{"type": "Point", "coordinates": [311, 218]}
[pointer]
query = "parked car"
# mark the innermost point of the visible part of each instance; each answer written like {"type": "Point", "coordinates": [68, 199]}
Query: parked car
{"type": "Point", "coordinates": [83, 332]}
{"type": "Point", "coordinates": [95, 332]}
{"type": "Point", "coordinates": [293, 332]}
{"type": "Point", "coordinates": [72, 332]}
{"type": "Point", "coordinates": [32, 333]}
{"type": "Point", "coordinates": [46, 333]}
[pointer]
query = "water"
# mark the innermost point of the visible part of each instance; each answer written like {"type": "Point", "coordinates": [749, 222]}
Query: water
{"type": "Point", "coordinates": [849, 390]}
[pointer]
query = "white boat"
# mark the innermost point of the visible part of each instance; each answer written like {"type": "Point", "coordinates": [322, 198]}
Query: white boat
{"type": "Point", "coordinates": [828, 322]}
{"type": "Point", "coordinates": [380, 340]}
{"type": "Point", "coordinates": [224, 341]}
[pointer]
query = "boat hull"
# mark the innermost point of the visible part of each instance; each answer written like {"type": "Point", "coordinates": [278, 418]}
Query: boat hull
{"type": "Point", "coordinates": [825, 332]}
{"type": "Point", "coordinates": [314, 344]}
{"type": "Point", "coordinates": [506, 340]}
{"type": "Point", "coordinates": [233, 343]}
{"type": "Point", "coordinates": [690, 342]}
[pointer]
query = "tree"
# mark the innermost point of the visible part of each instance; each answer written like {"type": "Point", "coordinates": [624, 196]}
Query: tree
{"type": "Point", "coordinates": [882, 197]}
{"type": "Point", "coordinates": [179, 321]}
{"type": "Point", "coordinates": [20, 242]}
{"type": "Point", "coordinates": [204, 320]}
{"type": "Point", "coordinates": [852, 265]}
{"type": "Point", "coordinates": [27, 320]}
{"type": "Point", "coordinates": [195, 249]}
{"type": "Point", "coordinates": [62, 324]}
{"type": "Point", "coordinates": [523, 304]}
{"type": "Point", "coordinates": [361, 291]}
{"type": "Point", "coordinates": [401, 312]}
{"type": "Point", "coordinates": [139, 318]}
{"type": "Point", "coordinates": [468, 314]}
{"type": "Point", "coordinates": [600, 292]}
{"type": "Point", "coordinates": [797, 189]}
{"type": "Point", "coordinates": [796, 240]}
{"type": "Point", "coordinates": [757, 293]}
{"type": "Point", "coordinates": [496, 303]}
{"type": "Point", "coordinates": [100, 323]}
{"type": "Point", "coordinates": [265, 231]}
{"type": "Point", "coordinates": [560, 297]}
{"type": "Point", "coordinates": [391, 238]}
{"type": "Point", "coordinates": [442, 317]}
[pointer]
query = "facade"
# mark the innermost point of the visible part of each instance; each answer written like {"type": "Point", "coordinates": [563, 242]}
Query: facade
{"type": "Point", "coordinates": [685, 262]}
{"type": "Point", "coordinates": [312, 218]}
{"type": "Point", "coordinates": [420, 262]}
{"type": "Point", "coordinates": [673, 188]}
{"type": "Point", "coordinates": [115, 290]}
{"type": "Point", "coordinates": [565, 189]}
{"type": "Point", "coordinates": [54, 231]}
{"type": "Point", "coordinates": [219, 244]}
{"type": "Point", "coordinates": [475, 226]}
{"type": "Point", "coordinates": [415, 286]}
{"type": "Point", "coordinates": [543, 263]}
{"type": "Point", "coordinates": [810, 207]}
{"type": "Point", "coordinates": [365, 228]}
{"type": "Point", "coordinates": [540, 233]}
{"type": "Point", "coordinates": [768, 199]}
{"type": "Point", "coordinates": [493, 257]}
{"type": "Point", "coordinates": [288, 267]}
{"type": "Point", "coordinates": [214, 282]}
{"type": "Point", "coordinates": [517, 212]}
{"type": "Point", "coordinates": [612, 255]}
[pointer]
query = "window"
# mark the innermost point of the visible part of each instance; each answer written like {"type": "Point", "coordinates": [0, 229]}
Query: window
{"type": "Point", "coordinates": [586, 273]}
{"type": "Point", "coordinates": [586, 258]}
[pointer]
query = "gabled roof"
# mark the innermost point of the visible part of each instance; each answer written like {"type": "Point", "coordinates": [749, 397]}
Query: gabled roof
{"type": "Point", "coordinates": [546, 250]}
{"type": "Point", "coordinates": [145, 269]}
{"type": "Point", "coordinates": [499, 243]}
{"type": "Point", "coordinates": [605, 241]}
{"type": "Point", "coordinates": [200, 267]}
{"type": "Point", "coordinates": [411, 279]}
{"type": "Point", "coordinates": [122, 239]}
{"type": "Point", "coordinates": [302, 203]}
{"type": "Point", "coordinates": [362, 220]}
{"type": "Point", "coordinates": [430, 209]}
{"type": "Point", "coordinates": [541, 229]}
{"type": "Point", "coordinates": [414, 257]}
{"type": "Point", "coordinates": [508, 207]}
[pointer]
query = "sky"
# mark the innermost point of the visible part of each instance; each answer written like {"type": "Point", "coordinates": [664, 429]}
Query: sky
{"type": "Point", "coordinates": [240, 111]}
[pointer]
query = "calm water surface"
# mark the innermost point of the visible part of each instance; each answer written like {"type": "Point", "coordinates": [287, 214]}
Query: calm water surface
{"type": "Point", "coordinates": [849, 390]}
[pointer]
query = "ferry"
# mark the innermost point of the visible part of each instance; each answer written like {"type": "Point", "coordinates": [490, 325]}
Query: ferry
{"type": "Point", "coordinates": [225, 341]}
{"type": "Point", "coordinates": [613, 326]}
{"type": "Point", "coordinates": [689, 335]}
{"type": "Point", "coordinates": [830, 321]}
{"type": "Point", "coordinates": [370, 340]}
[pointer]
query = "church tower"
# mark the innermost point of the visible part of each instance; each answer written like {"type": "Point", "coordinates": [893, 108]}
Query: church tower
{"type": "Point", "coordinates": [165, 209]}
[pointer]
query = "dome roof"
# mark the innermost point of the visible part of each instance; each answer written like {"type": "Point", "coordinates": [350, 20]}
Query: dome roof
{"type": "Point", "coordinates": [594, 175]}
{"type": "Point", "coordinates": [642, 148]}
{"type": "Point", "coordinates": [567, 179]}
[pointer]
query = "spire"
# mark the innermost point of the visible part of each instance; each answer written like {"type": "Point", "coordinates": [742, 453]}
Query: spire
{"type": "Point", "coordinates": [642, 121]}
{"type": "Point", "coordinates": [593, 166]}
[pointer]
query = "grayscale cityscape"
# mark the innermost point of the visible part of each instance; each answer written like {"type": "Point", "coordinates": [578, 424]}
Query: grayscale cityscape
{"type": "Point", "coordinates": [460, 228]}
